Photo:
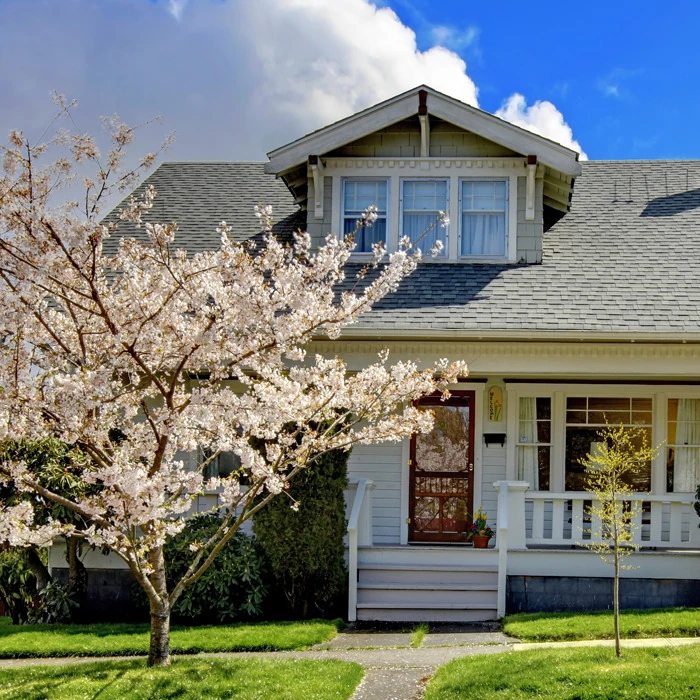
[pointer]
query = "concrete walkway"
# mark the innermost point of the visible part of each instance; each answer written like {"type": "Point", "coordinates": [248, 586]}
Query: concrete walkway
{"type": "Point", "coordinates": [393, 669]}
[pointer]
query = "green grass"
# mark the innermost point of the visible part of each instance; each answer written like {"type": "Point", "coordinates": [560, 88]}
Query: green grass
{"type": "Point", "coordinates": [419, 635]}
{"type": "Point", "coordinates": [560, 627]}
{"type": "Point", "coordinates": [36, 641]}
{"type": "Point", "coordinates": [572, 674]}
{"type": "Point", "coordinates": [244, 679]}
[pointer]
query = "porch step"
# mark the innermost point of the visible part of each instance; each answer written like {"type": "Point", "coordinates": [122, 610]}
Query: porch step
{"type": "Point", "coordinates": [400, 584]}
{"type": "Point", "coordinates": [431, 586]}
{"type": "Point", "coordinates": [419, 613]}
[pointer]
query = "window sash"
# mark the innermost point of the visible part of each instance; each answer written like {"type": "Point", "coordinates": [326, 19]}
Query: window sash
{"type": "Point", "coordinates": [357, 195]}
{"type": "Point", "coordinates": [422, 200]}
{"type": "Point", "coordinates": [535, 442]}
{"type": "Point", "coordinates": [483, 206]}
{"type": "Point", "coordinates": [683, 454]}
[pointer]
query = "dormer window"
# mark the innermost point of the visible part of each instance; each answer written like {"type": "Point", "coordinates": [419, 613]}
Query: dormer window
{"type": "Point", "coordinates": [358, 195]}
{"type": "Point", "coordinates": [421, 204]}
{"type": "Point", "coordinates": [483, 207]}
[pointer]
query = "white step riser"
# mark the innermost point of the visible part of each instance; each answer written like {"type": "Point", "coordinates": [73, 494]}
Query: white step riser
{"type": "Point", "coordinates": [418, 615]}
{"type": "Point", "coordinates": [423, 557]}
{"type": "Point", "coordinates": [425, 576]}
{"type": "Point", "coordinates": [424, 598]}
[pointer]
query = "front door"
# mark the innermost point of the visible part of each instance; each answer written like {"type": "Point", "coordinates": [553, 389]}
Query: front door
{"type": "Point", "coordinates": [442, 471]}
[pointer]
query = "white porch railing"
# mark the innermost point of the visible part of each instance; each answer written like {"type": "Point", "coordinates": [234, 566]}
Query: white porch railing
{"type": "Point", "coordinates": [359, 533]}
{"type": "Point", "coordinates": [562, 519]}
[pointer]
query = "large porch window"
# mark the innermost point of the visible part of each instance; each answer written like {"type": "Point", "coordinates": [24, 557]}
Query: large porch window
{"type": "Point", "coordinates": [683, 460]}
{"type": "Point", "coordinates": [586, 417]}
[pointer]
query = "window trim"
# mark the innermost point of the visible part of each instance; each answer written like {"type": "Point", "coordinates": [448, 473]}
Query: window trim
{"type": "Point", "coordinates": [387, 215]}
{"type": "Point", "coordinates": [445, 254]}
{"type": "Point", "coordinates": [506, 213]}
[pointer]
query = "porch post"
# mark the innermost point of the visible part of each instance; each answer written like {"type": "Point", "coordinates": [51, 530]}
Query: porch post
{"type": "Point", "coordinates": [510, 530]}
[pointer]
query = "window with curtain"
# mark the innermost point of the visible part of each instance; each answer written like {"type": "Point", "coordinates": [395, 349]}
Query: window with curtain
{"type": "Point", "coordinates": [586, 417]}
{"type": "Point", "coordinates": [483, 206]}
{"type": "Point", "coordinates": [683, 466]}
{"type": "Point", "coordinates": [421, 204]}
{"type": "Point", "coordinates": [358, 195]}
{"type": "Point", "coordinates": [534, 442]}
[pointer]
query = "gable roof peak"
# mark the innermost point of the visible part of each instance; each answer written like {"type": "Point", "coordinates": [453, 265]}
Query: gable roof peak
{"type": "Point", "coordinates": [423, 99]}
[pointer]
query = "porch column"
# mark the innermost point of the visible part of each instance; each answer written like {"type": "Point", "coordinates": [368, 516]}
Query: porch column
{"type": "Point", "coordinates": [511, 504]}
{"type": "Point", "coordinates": [510, 530]}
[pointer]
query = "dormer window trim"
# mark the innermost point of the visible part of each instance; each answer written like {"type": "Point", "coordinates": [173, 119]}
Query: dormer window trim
{"type": "Point", "coordinates": [455, 170]}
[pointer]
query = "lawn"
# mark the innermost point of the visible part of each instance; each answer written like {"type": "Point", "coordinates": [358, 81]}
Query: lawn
{"type": "Point", "coordinates": [572, 674]}
{"type": "Point", "coordinates": [35, 641]}
{"type": "Point", "coordinates": [260, 679]}
{"type": "Point", "coordinates": [558, 627]}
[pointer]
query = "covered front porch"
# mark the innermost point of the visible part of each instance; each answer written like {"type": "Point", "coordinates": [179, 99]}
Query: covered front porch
{"type": "Point", "coordinates": [537, 559]}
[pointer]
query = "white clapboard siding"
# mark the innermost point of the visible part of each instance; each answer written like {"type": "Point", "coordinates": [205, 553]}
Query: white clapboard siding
{"type": "Point", "coordinates": [493, 469]}
{"type": "Point", "coordinates": [381, 464]}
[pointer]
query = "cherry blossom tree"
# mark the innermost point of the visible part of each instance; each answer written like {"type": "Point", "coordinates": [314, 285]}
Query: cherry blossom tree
{"type": "Point", "coordinates": [153, 362]}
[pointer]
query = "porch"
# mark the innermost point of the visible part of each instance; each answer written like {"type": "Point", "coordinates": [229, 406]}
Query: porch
{"type": "Point", "coordinates": [539, 539]}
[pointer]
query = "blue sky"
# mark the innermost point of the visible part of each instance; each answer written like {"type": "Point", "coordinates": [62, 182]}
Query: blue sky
{"type": "Point", "coordinates": [236, 78]}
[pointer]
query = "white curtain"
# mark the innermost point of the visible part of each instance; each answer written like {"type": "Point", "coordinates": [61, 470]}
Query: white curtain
{"type": "Point", "coordinates": [686, 464]}
{"type": "Point", "coordinates": [484, 234]}
{"type": "Point", "coordinates": [415, 225]}
{"type": "Point", "coordinates": [527, 449]}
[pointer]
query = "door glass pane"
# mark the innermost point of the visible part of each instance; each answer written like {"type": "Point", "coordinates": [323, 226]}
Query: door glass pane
{"type": "Point", "coordinates": [446, 447]}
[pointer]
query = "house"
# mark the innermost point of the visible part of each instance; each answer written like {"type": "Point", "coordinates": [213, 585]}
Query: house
{"type": "Point", "coordinates": [570, 288]}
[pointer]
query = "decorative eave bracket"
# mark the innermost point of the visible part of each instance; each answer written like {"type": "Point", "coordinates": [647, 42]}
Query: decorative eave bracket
{"type": "Point", "coordinates": [530, 188]}
{"type": "Point", "coordinates": [316, 167]}
{"type": "Point", "coordinates": [424, 124]}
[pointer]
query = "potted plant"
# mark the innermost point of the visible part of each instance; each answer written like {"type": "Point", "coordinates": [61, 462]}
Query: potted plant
{"type": "Point", "coordinates": [480, 533]}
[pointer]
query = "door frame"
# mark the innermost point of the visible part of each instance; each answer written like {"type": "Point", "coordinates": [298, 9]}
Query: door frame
{"type": "Point", "coordinates": [436, 400]}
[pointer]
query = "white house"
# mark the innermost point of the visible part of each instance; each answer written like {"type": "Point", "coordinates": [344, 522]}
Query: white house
{"type": "Point", "coordinates": [571, 289]}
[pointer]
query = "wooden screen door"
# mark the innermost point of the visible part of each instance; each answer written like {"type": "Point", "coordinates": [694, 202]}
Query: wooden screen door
{"type": "Point", "coordinates": [442, 471]}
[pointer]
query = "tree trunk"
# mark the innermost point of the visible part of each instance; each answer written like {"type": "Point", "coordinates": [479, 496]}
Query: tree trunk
{"type": "Point", "coordinates": [41, 573]}
{"type": "Point", "coordinates": [159, 651]}
{"type": "Point", "coordinates": [77, 574]}
{"type": "Point", "coordinates": [616, 602]}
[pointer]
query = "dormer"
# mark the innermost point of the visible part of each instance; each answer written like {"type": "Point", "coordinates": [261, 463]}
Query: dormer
{"type": "Point", "coordinates": [422, 152]}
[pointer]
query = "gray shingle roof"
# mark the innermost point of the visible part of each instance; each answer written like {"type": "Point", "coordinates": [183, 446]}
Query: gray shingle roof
{"type": "Point", "coordinates": [200, 195]}
{"type": "Point", "coordinates": [626, 259]}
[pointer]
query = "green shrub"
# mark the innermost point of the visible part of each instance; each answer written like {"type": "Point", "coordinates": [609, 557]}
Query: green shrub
{"type": "Point", "coordinates": [232, 587]}
{"type": "Point", "coordinates": [304, 548]}
{"type": "Point", "coordinates": [17, 584]}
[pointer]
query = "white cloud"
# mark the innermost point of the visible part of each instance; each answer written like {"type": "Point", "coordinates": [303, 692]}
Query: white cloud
{"type": "Point", "coordinates": [235, 78]}
{"type": "Point", "coordinates": [455, 39]}
{"type": "Point", "coordinates": [321, 61]}
{"type": "Point", "coordinates": [541, 118]}
{"type": "Point", "coordinates": [176, 8]}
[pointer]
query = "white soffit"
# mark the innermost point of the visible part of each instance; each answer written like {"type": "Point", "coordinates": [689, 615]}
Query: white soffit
{"type": "Point", "coordinates": [439, 105]}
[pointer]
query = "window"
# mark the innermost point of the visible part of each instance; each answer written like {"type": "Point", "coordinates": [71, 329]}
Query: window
{"type": "Point", "coordinates": [534, 442]}
{"type": "Point", "coordinates": [223, 465]}
{"type": "Point", "coordinates": [585, 417]}
{"type": "Point", "coordinates": [358, 195]}
{"type": "Point", "coordinates": [421, 204]}
{"type": "Point", "coordinates": [483, 210]}
{"type": "Point", "coordinates": [683, 465]}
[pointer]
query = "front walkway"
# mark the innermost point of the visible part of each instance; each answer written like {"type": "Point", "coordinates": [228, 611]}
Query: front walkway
{"type": "Point", "coordinates": [393, 669]}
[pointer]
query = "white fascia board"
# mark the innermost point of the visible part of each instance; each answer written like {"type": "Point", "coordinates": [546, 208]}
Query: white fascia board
{"type": "Point", "coordinates": [504, 133]}
{"type": "Point", "coordinates": [356, 333]}
{"type": "Point", "coordinates": [342, 132]}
